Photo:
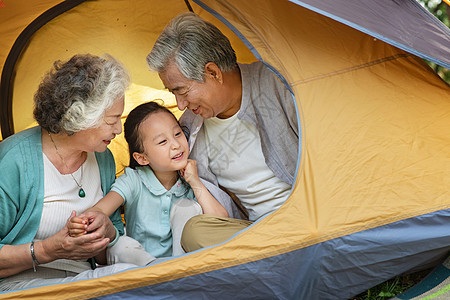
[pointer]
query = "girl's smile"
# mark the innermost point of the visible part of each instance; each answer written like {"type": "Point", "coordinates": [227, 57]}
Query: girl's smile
{"type": "Point", "coordinates": [165, 145]}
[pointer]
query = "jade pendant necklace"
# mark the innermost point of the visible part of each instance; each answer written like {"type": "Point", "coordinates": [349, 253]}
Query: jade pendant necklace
{"type": "Point", "coordinates": [81, 192]}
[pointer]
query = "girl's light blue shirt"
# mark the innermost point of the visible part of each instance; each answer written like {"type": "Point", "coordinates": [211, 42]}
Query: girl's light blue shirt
{"type": "Point", "coordinates": [147, 208]}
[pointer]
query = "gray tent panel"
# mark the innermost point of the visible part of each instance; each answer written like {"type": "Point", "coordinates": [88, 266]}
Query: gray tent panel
{"type": "Point", "coordinates": [404, 24]}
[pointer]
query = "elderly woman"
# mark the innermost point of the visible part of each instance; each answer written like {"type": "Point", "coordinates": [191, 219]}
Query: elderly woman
{"type": "Point", "coordinates": [59, 169]}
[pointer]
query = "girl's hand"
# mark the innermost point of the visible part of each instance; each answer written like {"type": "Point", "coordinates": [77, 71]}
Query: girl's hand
{"type": "Point", "coordinates": [208, 203]}
{"type": "Point", "coordinates": [100, 223]}
{"type": "Point", "coordinates": [77, 226]}
{"type": "Point", "coordinates": [62, 245]}
{"type": "Point", "coordinates": [189, 172]}
{"type": "Point", "coordinates": [16, 258]}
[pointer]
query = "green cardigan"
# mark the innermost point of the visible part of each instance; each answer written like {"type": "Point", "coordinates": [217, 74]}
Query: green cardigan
{"type": "Point", "coordinates": [22, 186]}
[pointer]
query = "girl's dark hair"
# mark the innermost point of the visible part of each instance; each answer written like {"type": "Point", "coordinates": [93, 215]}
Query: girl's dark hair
{"type": "Point", "coordinates": [132, 124]}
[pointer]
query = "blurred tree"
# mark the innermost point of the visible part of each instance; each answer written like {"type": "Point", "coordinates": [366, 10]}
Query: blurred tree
{"type": "Point", "coordinates": [441, 10]}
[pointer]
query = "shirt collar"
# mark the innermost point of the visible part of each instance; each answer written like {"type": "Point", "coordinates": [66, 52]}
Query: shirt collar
{"type": "Point", "coordinates": [155, 187]}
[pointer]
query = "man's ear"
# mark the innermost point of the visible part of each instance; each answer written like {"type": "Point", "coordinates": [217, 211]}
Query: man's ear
{"type": "Point", "coordinates": [140, 158]}
{"type": "Point", "coordinates": [213, 71]}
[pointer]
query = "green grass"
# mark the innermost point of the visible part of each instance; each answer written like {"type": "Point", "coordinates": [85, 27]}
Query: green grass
{"type": "Point", "coordinates": [392, 287]}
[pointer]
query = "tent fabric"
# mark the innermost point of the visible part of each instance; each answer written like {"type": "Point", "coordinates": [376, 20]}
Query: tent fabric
{"type": "Point", "coordinates": [371, 197]}
{"type": "Point", "coordinates": [128, 26]}
{"type": "Point", "coordinates": [390, 21]}
{"type": "Point", "coordinates": [8, 66]}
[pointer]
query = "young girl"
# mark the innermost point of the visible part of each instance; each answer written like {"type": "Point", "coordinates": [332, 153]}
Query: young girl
{"type": "Point", "coordinates": [158, 201]}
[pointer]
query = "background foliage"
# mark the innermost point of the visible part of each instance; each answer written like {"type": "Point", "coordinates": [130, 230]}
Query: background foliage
{"type": "Point", "coordinates": [440, 10]}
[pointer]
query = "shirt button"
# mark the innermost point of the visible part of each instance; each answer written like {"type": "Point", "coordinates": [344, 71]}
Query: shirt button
{"type": "Point", "coordinates": [165, 211]}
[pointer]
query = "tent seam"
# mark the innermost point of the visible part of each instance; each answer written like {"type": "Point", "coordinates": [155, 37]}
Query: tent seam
{"type": "Point", "coordinates": [374, 34]}
{"type": "Point", "coordinates": [354, 68]}
{"type": "Point", "coordinates": [269, 254]}
{"type": "Point", "coordinates": [353, 230]}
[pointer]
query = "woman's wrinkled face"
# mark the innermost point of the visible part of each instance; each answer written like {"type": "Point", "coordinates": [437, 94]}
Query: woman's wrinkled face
{"type": "Point", "coordinates": [97, 139]}
{"type": "Point", "coordinates": [165, 145]}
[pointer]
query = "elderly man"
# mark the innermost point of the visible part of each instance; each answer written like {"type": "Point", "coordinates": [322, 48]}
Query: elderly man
{"type": "Point", "coordinates": [242, 123]}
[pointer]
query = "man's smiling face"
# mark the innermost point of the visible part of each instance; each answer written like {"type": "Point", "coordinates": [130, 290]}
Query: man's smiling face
{"type": "Point", "coordinates": [203, 98]}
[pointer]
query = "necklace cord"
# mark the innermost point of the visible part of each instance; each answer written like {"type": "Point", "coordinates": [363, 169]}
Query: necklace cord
{"type": "Point", "coordinates": [81, 192]}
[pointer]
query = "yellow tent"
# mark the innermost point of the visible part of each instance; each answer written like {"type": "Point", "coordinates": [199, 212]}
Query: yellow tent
{"type": "Point", "coordinates": [371, 198]}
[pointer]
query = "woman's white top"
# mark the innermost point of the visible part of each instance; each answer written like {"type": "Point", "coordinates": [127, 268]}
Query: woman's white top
{"type": "Point", "coordinates": [61, 198]}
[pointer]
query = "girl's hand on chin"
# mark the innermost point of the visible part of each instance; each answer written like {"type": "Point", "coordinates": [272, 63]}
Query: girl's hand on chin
{"type": "Point", "coordinates": [189, 172]}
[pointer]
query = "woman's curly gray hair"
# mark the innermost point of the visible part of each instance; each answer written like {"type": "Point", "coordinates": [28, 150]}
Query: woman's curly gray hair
{"type": "Point", "coordinates": [75, 94]}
